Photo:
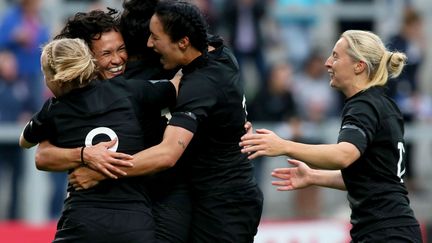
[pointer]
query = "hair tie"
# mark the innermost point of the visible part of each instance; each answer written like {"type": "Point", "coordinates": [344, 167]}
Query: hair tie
{"type": "Point", "coordinates": [389, 58]}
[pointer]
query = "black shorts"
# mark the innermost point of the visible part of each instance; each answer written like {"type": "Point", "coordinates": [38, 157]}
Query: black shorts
{"type": "Point", "coordinates": [227, 217]}
{"type": "Point", "coordinates": [172, 212]}
{"type": "Point", "coordinates": [105, 225]}
{"type": "Point", "coordinates": [403, 234]}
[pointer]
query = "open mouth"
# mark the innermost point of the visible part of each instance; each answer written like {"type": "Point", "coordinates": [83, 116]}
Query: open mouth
{"type": "Point", "coordinates": [116, 69]}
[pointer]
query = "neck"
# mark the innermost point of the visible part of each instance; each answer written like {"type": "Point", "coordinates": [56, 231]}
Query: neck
{"type": "Point", "coordinates": [190, 55]}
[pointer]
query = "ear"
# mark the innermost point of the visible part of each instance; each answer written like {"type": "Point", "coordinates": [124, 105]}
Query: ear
{"type": "Point", "coordinates": [359, 67]}
{"type": "Point", "coordinates": [184, 43]}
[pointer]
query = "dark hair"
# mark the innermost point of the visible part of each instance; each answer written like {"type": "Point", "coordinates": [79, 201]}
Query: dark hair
{"type": "Point", "coordinates": [134, 26]}
{"type": "Point", "coordinates": [180, 19]}
{"type": "Point", "coordinates": [90, 26]}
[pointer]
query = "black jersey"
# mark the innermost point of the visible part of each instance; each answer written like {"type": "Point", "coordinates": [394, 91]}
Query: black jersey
{"type": "Point", "coordinates": [378, 198]}
{"type": "Point", "coordinates": [152, 122]}
{"type": "Point", "coordinates": [98, 112]}
{"type": "Point", "coordinates": [211, 104]}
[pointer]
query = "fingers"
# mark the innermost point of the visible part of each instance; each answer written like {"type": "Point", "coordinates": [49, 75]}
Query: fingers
{"type": "Point", "coordinates": [248, 127]}
{"type": "Point", "coordinates": [281, 170]}
{"type": "Point", "coordinates": [116, 170]}
{"type": "Point", "coordinates": [111, 167]}
{"type": "Point", "coordinates": [263, 131]}
{"type": "Point", "coordinates": [249, 136]}
{"type": "Point", "coordinates": [121, 159]}
{"type": "Point", "coordinates": [81, 186]}
{"type": "Point", "coordinates": [108, 144]}
{"type": "Point", "coordinates": [250, 148]}
{"type": "Point", "coordinates": [282, 185]}
{"type": "Point", "coordinates": [283, 176]}
{"type": "Point", "coordinates": [105, 171]}
{"type": "Point", "coordinates": [294, 162]}
{"type": "Point", "coordinates": [254, 155]}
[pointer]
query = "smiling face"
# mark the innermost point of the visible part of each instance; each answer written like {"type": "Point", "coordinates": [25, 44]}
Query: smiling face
{"type": "Point", "coordinates": [110, 54]}
{"type": "Point", "coordinates": [171, 54]}
{"type": "Point", "coordinates": [341, 66]}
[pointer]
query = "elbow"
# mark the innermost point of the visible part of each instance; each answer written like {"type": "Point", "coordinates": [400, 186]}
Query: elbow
{"type": "Point", "coordinates": [168, 161]}
{"type": "Point", "coordinates": [343, 163]}
{"type": "Point", "coordinates": [344, 160]}
{"type": "Point", "coordinates": [39, 162]}
{"type": "Point", "coordinates": [23, 143]}
{"type": "Point", "coordinates": [346, 155]}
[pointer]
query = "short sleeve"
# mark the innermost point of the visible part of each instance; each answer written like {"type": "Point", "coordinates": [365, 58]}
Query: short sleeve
{"type": "Point", "coordinates": [39, 128]}
{"type": "Point", "coordinates": [359, 124]}
{"type": "Point", "coordinates": [196, 99]}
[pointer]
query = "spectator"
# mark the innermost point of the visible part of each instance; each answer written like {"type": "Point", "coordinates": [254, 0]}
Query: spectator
{"type": "Point", "coordinates": [243, 18]}
{"type": "Point", "coordinates": [405, 89]}
{"type": "Point", "coordinates": [296, 20]}
{"type": "Point", "coordinates": [13, 104]}
{"type": "Point", "coordinates": [23, 32]}
{"type": "Point", "coordinates": [315, 100]}
{"type": "Point", "coordinates": [274, 103]}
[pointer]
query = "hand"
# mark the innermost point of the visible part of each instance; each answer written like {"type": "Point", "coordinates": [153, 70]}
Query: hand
{"type": "Point", "coordinates": [85, 178]}
{"type": "Point", "coordinates": [176, 79]}
{"type": "Point", "coordinates": [263, 143]}
{"type": "Point", "coordinates": [248, 127]}
{"type": "Point", "coordinates": [292, 178]}
{"type": "Point", "coordinates": [100, 158]}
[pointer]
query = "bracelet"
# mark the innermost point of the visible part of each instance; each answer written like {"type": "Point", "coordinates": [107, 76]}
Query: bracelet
{"type": "Point", "coordinates": [82, 156]}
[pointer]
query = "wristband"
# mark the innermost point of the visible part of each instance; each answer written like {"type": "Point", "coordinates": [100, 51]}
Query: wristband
{"type": "Point", "coordinates": [82, 156]}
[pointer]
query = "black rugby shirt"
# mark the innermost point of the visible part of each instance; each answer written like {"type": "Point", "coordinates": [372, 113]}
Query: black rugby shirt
{"type": "Point", "coordinates": [211, 104]}
{"type": "Point", "coordinates": [378, 198]}
{"type": "Point", "coordinates": [94, 113]}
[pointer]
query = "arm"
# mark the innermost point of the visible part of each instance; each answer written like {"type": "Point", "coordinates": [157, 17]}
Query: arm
{"type": "Point", "coordinates": [161, 156]}
{"type": "Point", "coordinates": [51, 158]}
{"type": "Point", "coordinates": [324, 156]}
{"type": "Point", "coordinates": [98, 157]}
{"type": "Point", "coordinates": [301, 176]}
{"type": "Point", "coordinates": [151, 160]}
{"type": "Point", "coordinates": [23, 143]}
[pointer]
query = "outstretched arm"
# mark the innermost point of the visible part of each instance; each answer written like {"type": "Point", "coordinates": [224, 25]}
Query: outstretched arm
{"type": "Point", "coordinates": [324, 156]}
{"type": "Point", "coordinates": [300, 176]}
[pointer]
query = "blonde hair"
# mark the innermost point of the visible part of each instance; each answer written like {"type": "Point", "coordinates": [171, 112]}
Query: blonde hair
{"type": "Point", "coordinates": [68, 62]}
{"type": "Point", "coordinates": [381, 64]}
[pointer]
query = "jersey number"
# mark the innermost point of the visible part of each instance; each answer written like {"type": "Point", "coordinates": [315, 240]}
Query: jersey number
{"type": "Point", "coordinates": [400, 170]}
{"type": "Point", "coordinates": [101, 130]}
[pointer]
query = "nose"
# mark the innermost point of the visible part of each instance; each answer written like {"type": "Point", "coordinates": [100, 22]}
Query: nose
{"type": "Point", "coordinates": [150, 42]}
{"type": "Point", "coordinates": [117, 58]}
{"type": "Point", "coordinates": [328, 62]}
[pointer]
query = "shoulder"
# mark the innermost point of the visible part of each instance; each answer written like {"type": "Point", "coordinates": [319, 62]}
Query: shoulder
{"type": "Point", "coordinates": [363, 103]}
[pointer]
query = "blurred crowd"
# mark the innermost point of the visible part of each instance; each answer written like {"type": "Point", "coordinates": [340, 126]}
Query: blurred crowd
{"type": "Point", "coordinates": [281, 51]}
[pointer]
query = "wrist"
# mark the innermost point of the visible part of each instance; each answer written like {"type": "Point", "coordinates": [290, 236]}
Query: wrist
{"type": "Point", "coordinates": [286, 148]}
{"type": "Point", "coordinates": [82, 159]}
{"type": "Point", "coordinates": [312, 177]}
